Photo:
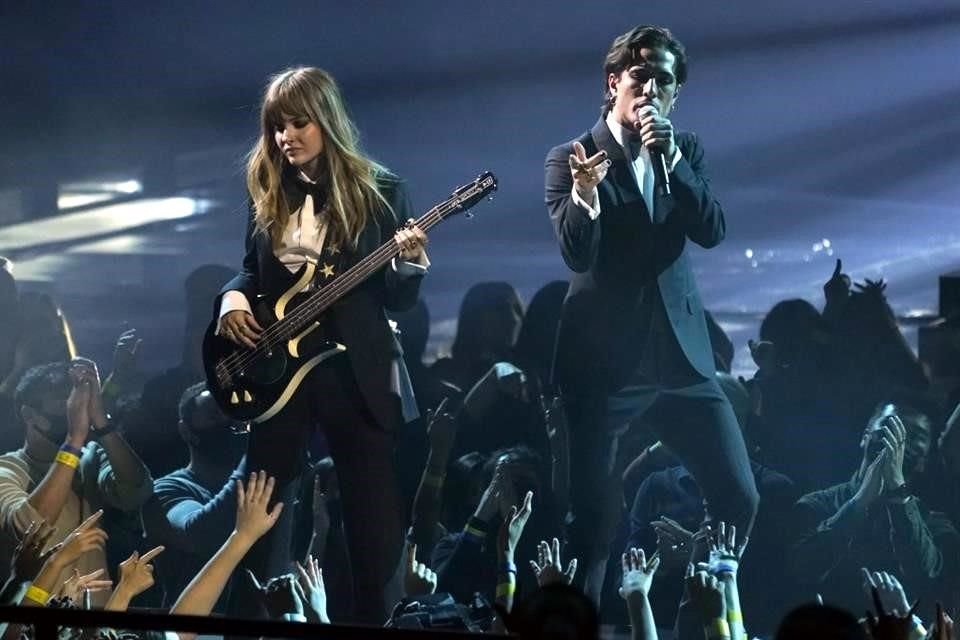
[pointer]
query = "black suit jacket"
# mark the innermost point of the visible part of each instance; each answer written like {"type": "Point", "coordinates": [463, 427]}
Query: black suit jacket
{"type": "Point", "coordinates": [359, 320]}
{"type": "Point", "coordinates": [624, 263]}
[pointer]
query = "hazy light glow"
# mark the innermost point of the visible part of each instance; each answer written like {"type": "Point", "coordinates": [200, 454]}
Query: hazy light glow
{"type": "Point", "coordinates": [77, 227]}
{"type": "Point", "coordinates": [81, 194]}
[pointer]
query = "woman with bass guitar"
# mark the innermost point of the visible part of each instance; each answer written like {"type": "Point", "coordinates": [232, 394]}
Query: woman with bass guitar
{"type": "Point", "coordinates": [319, 206]}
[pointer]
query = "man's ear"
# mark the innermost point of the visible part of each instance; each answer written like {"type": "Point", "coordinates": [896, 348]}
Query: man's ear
{"type": "Point", "coordinates": [30, 416]}
{"type": "Point", "coordinates": [186, 434]}
{"type": "Point", "coordinates": [612, 81]}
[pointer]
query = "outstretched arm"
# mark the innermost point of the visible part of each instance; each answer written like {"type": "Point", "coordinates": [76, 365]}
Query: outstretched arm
{"type": "Point", "coordinates": [253, 521]}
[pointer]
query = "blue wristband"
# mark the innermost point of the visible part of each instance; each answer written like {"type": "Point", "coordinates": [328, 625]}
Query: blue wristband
{"type": "Point", "coordinates": [509, 567]}
{"type": "Point", "coordinates": [724, 567]}
{"type": "Point", "coordinates": [71, 449]}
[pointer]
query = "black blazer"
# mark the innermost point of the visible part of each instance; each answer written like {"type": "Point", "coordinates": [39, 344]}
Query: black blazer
{"type": "Point", "coordinates": [359, 320]}
{"type": "Point", "coordinates": [624, 261]}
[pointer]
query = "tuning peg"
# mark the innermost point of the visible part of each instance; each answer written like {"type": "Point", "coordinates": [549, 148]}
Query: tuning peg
{"type": "Point", "coordinates": [234, 398]}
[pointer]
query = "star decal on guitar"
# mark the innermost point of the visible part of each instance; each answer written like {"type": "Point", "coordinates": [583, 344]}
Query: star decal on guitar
{"type": "Point", "coordinates": [327, 270]}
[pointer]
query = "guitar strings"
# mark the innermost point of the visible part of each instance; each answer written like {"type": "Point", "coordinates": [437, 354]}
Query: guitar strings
{"type": "Point", "coordinates": [275, 334]}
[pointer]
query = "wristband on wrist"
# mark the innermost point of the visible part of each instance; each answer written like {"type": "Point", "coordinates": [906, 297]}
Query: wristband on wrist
{"type": "Point", "coordinates": [718, 628]}
{"type": "Point", "coordinates": [734, 616]}
{"type": "Point", "coordinates": [475, 529]}
{"type": "Point", "coordinates": [68, 459]}
{"type": "Point", "coordinates": [509, 567]}
{"type": "Point", "coordinates": [38, 595]}
{"type": "Point", "coordinates": [69, 448]}
{"type": "Point", "coordinates": [506, 589]}
{"type": "Point", "coordinates": [724, 566]}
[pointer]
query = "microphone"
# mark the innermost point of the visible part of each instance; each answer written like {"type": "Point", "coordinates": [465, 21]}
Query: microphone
{"type": "Point", "coordinates": [661, 176]}
{"type": "Point", "coordinates": [660, 173]}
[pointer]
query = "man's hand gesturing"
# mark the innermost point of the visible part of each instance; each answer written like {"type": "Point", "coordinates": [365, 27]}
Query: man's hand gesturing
{"type": "Point", "coordinates": [587, 172]}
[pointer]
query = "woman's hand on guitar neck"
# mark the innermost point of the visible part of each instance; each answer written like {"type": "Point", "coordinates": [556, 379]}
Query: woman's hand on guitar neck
{"type": "Point", "coordinates": [240, 327]}
{"type": "Point", "coordinates": [411, 242]}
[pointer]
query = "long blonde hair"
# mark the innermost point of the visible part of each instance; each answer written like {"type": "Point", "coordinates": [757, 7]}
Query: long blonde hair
{"type": "Point", "coordinates": [350, 177]}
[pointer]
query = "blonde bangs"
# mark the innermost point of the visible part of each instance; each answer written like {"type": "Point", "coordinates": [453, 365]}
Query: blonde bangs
{"type": "Point", "coordinates": [354, 193]}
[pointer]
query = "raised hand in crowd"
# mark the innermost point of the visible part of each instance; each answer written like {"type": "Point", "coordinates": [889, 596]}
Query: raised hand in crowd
{"type": "Point", "coordinates": [312, 592]}
{"type": "Point", "coordinates": [892, 625]}
{"type": "Point", "coordinates": [558, 437]}
{"type": "Point", "coordinates": [418, 578]}
{"type": "Point", "coordinates": [254, 519]}
{"type": "Point", "coordinates": [548, 568]}
{"type": "Point", "coordinates": [638, 573]}
{"type": "Point", "coordinates": [136, 576]}
{"type": "Point", "coordinates": [502, 379]}
{"type": "Point", "coordinates": [888, 588]}
{"type": "Point", "coordinates": [837, 288]}
{"type": "Point", "coordinates": [674, 543]}
{"type": "Point", "coordinates": [498, 497]}
{"type": "Point", "coordinates": [511, 529]}
{"type": "Point", "coordinates": [942, 628]}
{"type": "Point", "coordinates": [635, 586]}
{"type": "Point", "coordinates": [78, 408]}
{"type": "Point", "coordinates": [894, 437]}
{"type": "Point", "coordinates": [123, 371]}
{"type": "Point", "coordinates": [86, 537]}
{"type": "Point", "coordinates": [871, 485]}
{"type": "Point", "coordinates": [27, 561]}
{"type": "Point", "coordinates": [76, 585]}
{"type": "Point", "coordinates": [442, 433]}
{"type": "Point", "coordinates": [706, 595]}
{"type": "Point", "coordinates": [29, 555]}
{"type": "Point", "coordinates": [871, 287]}
{"type": "Point", "coordinates": [724, 564]}
{"type": "Point", "coordinates": [280, 597]}
{"type": "Point", "coordinates": [321, 516]}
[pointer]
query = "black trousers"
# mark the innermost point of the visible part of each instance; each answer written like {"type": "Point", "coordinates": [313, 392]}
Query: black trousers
{"type": "Point", "coordinates": [688, 413]}
{"type": "Point", "coordinates": [362, 451]}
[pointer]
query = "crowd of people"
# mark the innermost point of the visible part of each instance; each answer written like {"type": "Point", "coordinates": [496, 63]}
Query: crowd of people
{"type": "Point", "coordinates": [121, 491]}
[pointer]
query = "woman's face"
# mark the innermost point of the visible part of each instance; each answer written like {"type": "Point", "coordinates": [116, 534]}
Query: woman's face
{"type": "Point", "coordinates": [300, 141]}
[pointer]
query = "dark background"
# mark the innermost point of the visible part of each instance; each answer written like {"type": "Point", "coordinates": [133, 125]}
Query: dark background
{"type": "Point", "coordinates": [822, 120]}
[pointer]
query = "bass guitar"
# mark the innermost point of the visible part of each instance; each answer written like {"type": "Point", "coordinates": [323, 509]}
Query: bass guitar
{"type": "Point", "coordinates": [253, 385]}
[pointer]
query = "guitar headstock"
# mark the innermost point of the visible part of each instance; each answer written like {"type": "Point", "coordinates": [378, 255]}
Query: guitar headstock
{"type": "Point", "coordinates": [466, 197]}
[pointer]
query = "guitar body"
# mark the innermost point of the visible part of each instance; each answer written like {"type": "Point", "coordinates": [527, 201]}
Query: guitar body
{"type": "Point", "coordinates": [253, 385]}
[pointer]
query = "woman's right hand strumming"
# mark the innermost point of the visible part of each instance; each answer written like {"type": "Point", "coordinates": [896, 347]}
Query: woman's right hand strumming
{"type": "Point", "coordinates": [240, 327]}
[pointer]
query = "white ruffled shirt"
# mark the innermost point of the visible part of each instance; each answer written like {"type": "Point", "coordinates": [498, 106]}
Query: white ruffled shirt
{"type": "Point", "coordinates": [302, 238]}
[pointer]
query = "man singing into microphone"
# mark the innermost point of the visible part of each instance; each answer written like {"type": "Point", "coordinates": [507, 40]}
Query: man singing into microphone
{"type": "Point", "coordinates": [633, 340]}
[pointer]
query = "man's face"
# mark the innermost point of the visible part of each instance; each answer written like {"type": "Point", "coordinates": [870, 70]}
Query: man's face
{"type": "Point", "coordinates": [50, 418]}
{"type": "Point", "coordinates": [649, 80]}
{"type": "Point", "coordinates": [211, 432]}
